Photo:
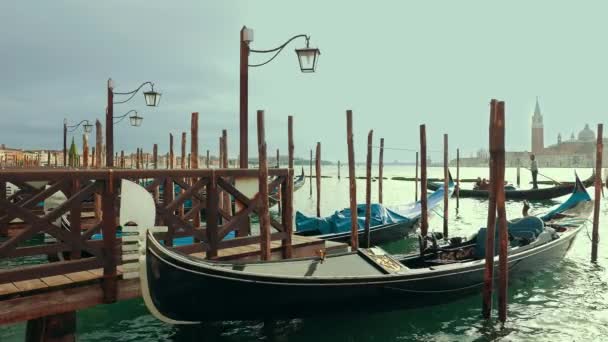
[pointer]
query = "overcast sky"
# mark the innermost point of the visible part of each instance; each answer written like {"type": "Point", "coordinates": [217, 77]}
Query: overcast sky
{"type": "Point", "coordinates": [396, 64]}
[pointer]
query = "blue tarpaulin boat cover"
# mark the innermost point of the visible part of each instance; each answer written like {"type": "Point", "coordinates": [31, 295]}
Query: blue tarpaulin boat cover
{"type": "Point", "coordinates": [339, 222]}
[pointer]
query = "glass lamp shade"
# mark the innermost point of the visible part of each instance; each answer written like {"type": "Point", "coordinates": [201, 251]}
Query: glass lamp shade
{"type": "Point", "coordinates": [136, 120]}
{"type": "Point", "coordinates": [152, 98]}
{"type": "Point", "coordinates": [88, 128]}
{"type": "Point", "coordinates": [308, 58]}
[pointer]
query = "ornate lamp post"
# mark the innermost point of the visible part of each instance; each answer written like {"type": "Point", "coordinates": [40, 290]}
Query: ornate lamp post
{"type": "Point", "coordinates": [307, 57]}
{"type": "Point", "coordinates": [152, 99]}
{"type": "Point", "coordinates": [88, 127]}
{"type": "Point", "coordinates": [135, 120]}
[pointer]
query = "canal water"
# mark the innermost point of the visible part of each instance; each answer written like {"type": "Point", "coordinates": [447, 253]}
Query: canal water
{"type": "Point", "coordinates": [567, 302]}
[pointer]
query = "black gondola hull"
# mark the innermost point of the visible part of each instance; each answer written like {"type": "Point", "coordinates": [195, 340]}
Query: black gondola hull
{"type": "Point", "coordinates": [531, 194]}
{"type": "Point", "coordinates": [186, 291]}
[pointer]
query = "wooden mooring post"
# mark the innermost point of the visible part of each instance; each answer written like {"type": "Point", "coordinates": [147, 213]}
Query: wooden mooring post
{"type": "Point", "coordinates": [310, 183]}
{"type": "Point", "coordinates": [224, 164]}
{"type": "Point", "coordinates": [287, 194]}
{"type": "Point", "coordinates": [368, 186]}
{"type": "Point", "coordinates": [171, 153]}
{"type": "Point", "coordinates": [518, 177]}
{"type": "Point", "coordinates": [338, 169]}
{"type": "Point", "coordinates": [499, 127]}
{"type": "Point", "coordinates": [122, 159]}
{"type": "Point", "coordinates": [85, 151]}
{"type": "Point", "coordinates": [457, 178]}
{"type": "Point", "coordinates": [491, 224]}
{"type": "Point", "coordinates": [207, 160]}
{"type": "Point", "coordinates": [424, 219]}
{"type": "Point", "coordinates": [380, 170]}
{"type": "Point", "coordinates": [416, 181]}
{"type": "Point", "coordinates": [318, 177]}
{"type": "Point", "coordinates": [595, 235]}
{"type": "Point", "coordinates": [263, 190]}
{"type": "Point", "coordinates": [196, 219]}
{"type": "Point", "coordinates": [446, 180]}
{"type": "Point", "coordinates": [354, 225]}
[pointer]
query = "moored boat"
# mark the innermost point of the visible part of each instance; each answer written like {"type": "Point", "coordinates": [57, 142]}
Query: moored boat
{"type": "Point", "coordinates": [386, 223]}
{"type": "Point", "coordinates": [178, 288]}
{"type": "Point", "coordinates": [529, 194]}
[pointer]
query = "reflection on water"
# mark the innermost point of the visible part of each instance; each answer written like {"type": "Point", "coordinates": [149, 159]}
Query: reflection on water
{"type": "Point", "coordinates": [566, 302]}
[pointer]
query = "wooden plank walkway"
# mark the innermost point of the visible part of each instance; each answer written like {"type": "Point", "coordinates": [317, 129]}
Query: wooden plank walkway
{"type": "Point", "coordinates": [24, 300]}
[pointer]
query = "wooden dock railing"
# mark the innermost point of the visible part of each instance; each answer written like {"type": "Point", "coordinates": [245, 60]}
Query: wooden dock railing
{"type": "Point", "coordinates": [204, 187]}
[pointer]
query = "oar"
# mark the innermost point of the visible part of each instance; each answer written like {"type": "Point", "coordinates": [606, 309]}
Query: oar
{"type": "Point", "coordinates": [549, 178]}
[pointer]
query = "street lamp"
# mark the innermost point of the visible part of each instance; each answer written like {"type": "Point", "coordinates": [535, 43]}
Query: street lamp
{"type": "Point", "coordinates": [307, 58]}
{"type": "Point", "coordinates": [134, 119]}
{"type": "Point", "coordinates": [152, 99]}
{"type": "Point", "coordinates": [88, 127]}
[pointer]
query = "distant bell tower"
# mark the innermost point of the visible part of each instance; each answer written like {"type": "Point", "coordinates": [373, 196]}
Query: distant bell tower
{"type": "Point", "coordinates": [538, 141]}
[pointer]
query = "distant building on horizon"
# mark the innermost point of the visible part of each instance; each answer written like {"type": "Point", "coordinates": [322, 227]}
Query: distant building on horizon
{"type": "Point", "coordinates": [578, 151]}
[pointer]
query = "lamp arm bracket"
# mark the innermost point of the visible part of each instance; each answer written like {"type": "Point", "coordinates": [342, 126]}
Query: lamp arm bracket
{"type": "Point", "coordinates": [277, 50]}
{"type": "Point", "coordinates": [75, 127]}
{"type": "Point", "coordinates": [132, 93]}
{"type": "Point", "coordinates": [125, 114]}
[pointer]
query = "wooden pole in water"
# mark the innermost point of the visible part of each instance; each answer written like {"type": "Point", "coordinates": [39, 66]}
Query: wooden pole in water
{"type": "Point", "coordinates": [290, 145]}
{"type": "Point", "coordinates": [499, 127]}
{"type": "Point", "coordinates": [424, 219]}
{"type": "Point", "coordinates": [85, 151]}
{"type": "Point", "coordinates": [310, 183]}
{"type": "Point", "coordinates": [183, 160]}
{"type": "Point", "coordinates": [595, 235]}
{"type": "Point", "coordinates": [196, 220]}
{"type": "Point", "coordinates": [122, 159]}
{"type": "Point", "coordinates": [368, 186]}
{"type": "Point", "coordinates": [171, 153]}
{"type": "Point", "coordinates": [318, 178]}
{"type": "Point", "coordinates": [207, 160]}
{"type": "Point", "coordinates": [263, 190]}
{"type": "Point", "coordinates": [226, 196]}
{"type": "Point", "coordinates": [446, 177]}
{"type": "Point", "coordinates": [278, 157]}
{"type": "Point", "coordinates": [416, 181]}
{"type": "Point", "coordinates": [137, 158]}
{"type": "Point", "coordinates": [491, 224]}
{"type": "Point", "coordinates": [380, 167]}
{"type": "Point", "coordinates": [518, 179]}
{"type": "Point", "coordinates": [354, 226]}
{"type": "Point", "coordinates": [457, 178]}
{"type": "Point", "coordinates": [98, 143]}
{"type": "Point", "coordinates": [338, 169]}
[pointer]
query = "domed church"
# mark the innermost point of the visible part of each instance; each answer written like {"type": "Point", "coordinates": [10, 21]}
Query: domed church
{"type": "Point", "coordinates": [575, 152]}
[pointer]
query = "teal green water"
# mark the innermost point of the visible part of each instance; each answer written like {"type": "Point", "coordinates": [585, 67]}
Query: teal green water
{"type": "Point", "coordinates": [567, 302]}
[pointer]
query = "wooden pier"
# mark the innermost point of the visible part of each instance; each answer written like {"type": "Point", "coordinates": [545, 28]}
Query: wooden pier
{"type": "Point", "coordinates": [75, 272]}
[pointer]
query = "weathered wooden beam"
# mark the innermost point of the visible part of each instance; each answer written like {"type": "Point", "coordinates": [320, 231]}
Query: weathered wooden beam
{"type": "Point", "coordinates": [491, 222]}
{"type": "Point", "coordinates": [368, 187]}
{"type": "Point", "coordinates": [499, 135]}
{"type": "Point", "coordinates": [196, 220]}
{"type": "Point", "coordinates": [318, 177]}
{"type": "Point", "coordinates": [61, 301]}
{"type": "Point", "coordinates": [424, 218]}
{"type": "Point", "coordinates": [263, 189]}
{"type": "Point", "coordinates": [595, 235]}
{"type": "Point", "coordinates": [445, 186]}
{"type": "Point", "coordinates": [354, 225]}
{"type": "Point", "coordinates": [457, 178]}
{"type": "Point", "coordinates": [380, 170]}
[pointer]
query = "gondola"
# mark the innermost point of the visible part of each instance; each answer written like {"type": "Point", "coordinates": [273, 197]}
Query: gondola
{"type": "Point", "coordinates": [530, 194]}
{"type": "Point", "coordinates": [298, 183]}
{"type": "Point", "coordinates": [182, 289]}
{"type": "Point", "coordinates": [386, 224]}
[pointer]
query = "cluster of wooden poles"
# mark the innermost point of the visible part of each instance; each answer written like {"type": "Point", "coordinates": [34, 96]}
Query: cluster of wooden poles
{"type": "Point", "coordinates": [496, 206]}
